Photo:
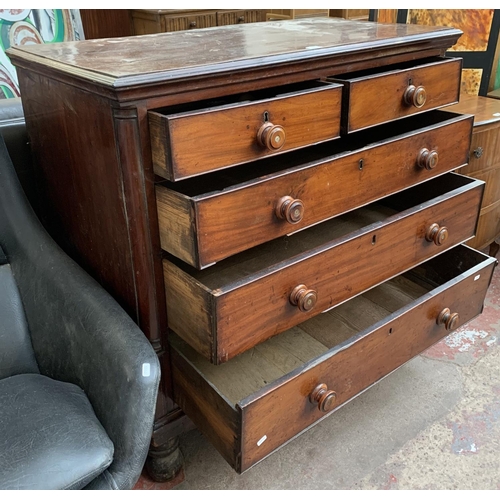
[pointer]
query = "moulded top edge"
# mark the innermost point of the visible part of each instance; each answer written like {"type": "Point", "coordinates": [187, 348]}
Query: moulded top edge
{"type": "Point", "coordinates": [147, 59]}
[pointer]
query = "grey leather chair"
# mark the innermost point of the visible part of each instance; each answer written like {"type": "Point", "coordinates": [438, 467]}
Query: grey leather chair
{"type": "Point", "coordinates": [78, 379]}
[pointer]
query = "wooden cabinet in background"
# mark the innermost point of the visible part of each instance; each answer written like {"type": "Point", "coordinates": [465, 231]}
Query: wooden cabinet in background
{"type": "Point", "coordinates": [148, 21]}
{"type": "Point", "coordinates": [484, 164]}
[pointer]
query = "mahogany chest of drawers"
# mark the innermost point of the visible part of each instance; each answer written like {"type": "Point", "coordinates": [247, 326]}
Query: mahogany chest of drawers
{"type": "Point", "coordinates": [273, 203]}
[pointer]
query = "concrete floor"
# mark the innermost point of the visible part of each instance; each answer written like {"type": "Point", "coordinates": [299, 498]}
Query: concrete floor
{"type": "Point", "coordinates": [432, 424]}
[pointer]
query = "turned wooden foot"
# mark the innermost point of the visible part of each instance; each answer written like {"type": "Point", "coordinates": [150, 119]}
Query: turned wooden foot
{"type": "Point", "coordinates": [165, 462]}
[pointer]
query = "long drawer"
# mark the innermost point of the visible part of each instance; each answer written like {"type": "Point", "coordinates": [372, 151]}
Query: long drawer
{"type": "Point", "coordinates": [258, 401]}
{"type": "Point", "coordinates": [189, 140]}
{"type": "Point", "coordinates": [377, 96]}
{"type": "Point", "coordinates": [232, 306]}
{"type": "Point", "coordinates": [207, 219]}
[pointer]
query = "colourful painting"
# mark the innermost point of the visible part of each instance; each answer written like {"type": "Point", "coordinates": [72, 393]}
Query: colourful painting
{"type": "Point", "coordinates": [475, 24]}
{"type": "Point", "coordinates": [30, 26]}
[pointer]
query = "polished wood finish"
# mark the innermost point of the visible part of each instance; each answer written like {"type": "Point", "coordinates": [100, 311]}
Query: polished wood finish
{"type": "Point", "coordinates": [230, 134]}
{"type": "Point", "coordinates": [87, 106]}
{"type": "Point", "coordinates": [484, 163]}
{"type": "Point", "coordinates": [385, 95]}
{"type": "Point", "coordinates": [252, 296]}
{"type": "Point", "coordinates": [312, 46]}
{"type": "Point", "coordinates": [371, 165]}
{"type": "Point", "coordinates": [361, 341]}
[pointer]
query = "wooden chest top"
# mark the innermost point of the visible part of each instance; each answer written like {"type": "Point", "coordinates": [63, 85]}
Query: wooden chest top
{"type": "Point", "coordinates": [131, 61]}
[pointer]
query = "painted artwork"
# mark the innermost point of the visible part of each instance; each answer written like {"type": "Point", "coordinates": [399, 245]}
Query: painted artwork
{"type": "Point", "coordinates": [30, 26]}
{"type": "Point", "coordinates": [475, 24]}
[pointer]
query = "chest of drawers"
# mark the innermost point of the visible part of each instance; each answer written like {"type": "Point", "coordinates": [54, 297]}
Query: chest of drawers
{"type": "Point", "coordinates": [272, 203]}
{"type": "Point", "coordinates": [484, 164]}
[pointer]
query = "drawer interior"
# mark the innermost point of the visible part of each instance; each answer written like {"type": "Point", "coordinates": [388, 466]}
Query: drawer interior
{"type": "Point", "coordinates": [235, 178]}
{"type": "Point", "coordinates": [333, 330]}
{"type": "Point", "coordinates": [264, 257]}
{"type": "Point", "coordinates": [387, 69]}
{"type": "Point", "coordinates": [247, 97]}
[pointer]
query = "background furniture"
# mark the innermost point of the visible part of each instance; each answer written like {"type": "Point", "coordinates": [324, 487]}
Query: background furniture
{"type": "Point", "coordinates": [270, 128]}
{"type": "Point", "coordinates": [78, 380]}
{"type": "Point", "coordinates": [484, 164]}
{"type": "Point", "coordinates": [147, 21]}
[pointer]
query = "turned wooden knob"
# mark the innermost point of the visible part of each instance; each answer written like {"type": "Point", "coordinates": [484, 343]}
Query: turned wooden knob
{"type": "Point", "coordinates": [271, 136]}
{"type": "Point", "coordinates": [304, 298]}
{"type": "Point", "coordinates": [427, 159]}
{"type": "Point", "coordinates": [290, 209]}
{"type": "Point", "coordinates": [241, 19]}
{"type": "Point", "coordinates": [415, 96]}
{"type": "Point", "coordinates": [192, 24]}
{"type": "Point", "coordinates": [448, 319]}
{"type": "Point", "coordinates": [437, 234]}
{"type": "Point", "coordinates": [324, 398]}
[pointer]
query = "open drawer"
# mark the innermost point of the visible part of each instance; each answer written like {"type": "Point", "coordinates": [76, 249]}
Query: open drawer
{"type": "Point", "coordinates": [261, 399]}
{"type": "Point", "coordinates": [230, 307]}
{"type": "Point", "coordinates": [209, 218]}
{"type": "Point", "coordinates": [377, 96]}
{"type": "Point", "coordinates": [192, 139]}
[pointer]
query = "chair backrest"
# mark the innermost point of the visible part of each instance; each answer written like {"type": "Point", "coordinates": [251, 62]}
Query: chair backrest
{"type": "Point", "coordinates": [16, 352]}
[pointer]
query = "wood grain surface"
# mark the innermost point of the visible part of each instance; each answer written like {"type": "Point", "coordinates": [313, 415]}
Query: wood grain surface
{"type": "Point", "coordinates": [354, 252]}
{"type": "Point", "coordinates": [379, 97]}
{"type": "Point", "coordinates": [226, 135]}
{"type": "Point", "coordinates": [328, 180]}
{"type": "Point", "coordinates": [349, 348]}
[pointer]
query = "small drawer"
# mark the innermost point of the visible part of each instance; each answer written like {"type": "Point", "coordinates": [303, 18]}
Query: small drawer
{"type": "Point", "coordinates": [261, 399]}
{"type": "Point", "coordinates": [488, 227]}
{"type": "Point", "coordinates": [484, 149]}
{"type": "Point", "coordinates": [232, 306]}
{"type": "Point", "coordinates": [193, 139]}
{"type": "Point", "coordinates": [204, 220]}
{"type": "Point", "coordinates": [227, 17]}
{"type": "Point", "coordinates": [371, 98]}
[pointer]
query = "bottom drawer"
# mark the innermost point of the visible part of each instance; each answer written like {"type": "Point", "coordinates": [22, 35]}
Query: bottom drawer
{"type": "Point", "coordinates": [261, 399]}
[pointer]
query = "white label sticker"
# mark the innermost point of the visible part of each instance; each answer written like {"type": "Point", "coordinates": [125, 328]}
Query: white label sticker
{"type": "Point", "coordinates": [477, 277]}
{"type": "Point", "coordinates": [261, 440]}
{"type": "Point", "coordinates": [146, 369]}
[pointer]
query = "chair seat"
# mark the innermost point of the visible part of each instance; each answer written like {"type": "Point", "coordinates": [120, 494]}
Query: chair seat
{"type": "Point", "coordinates": [50, 437]}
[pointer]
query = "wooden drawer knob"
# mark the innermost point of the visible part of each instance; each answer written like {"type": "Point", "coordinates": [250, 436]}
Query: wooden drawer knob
{"type": "Point", "coordinates": [415, 96]}
{"type": "Point", "coordinates": [324, 398]}
{"type": "Point", "coordinates": [192, 24]}
{"type": "Point", "coordinates": [271, 136]}
{"type": "Point", "coordinates": [437, 234]}
{"type": "Point", "coordinates": [304, 298]}
{"type": "Point", "coordinates": [448, 319]}
{"type": "Point", "coordinates": [427, 159]}
{"type": "Point", "coordinates": [290, 209]}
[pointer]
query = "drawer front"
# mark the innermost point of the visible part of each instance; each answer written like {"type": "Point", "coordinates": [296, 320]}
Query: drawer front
{"type": "Point", "coordinates": [261, 210]}
{"type": "Point", "coordinates": [229, 320]}
{"type": "Point", "coordinates": [484, 149]}
{"type": "Point", "coordinates": [242, 132]}
{"type": "Point", "coordinates": [491, 178]}
{"type": "Point", "coordinates": [240, 17]}
{"type": "Point", "coordinates": [255, 403]}
{"type": "Point", "coordinates": [488, 227]}
{"type": "Point", "coordinates": [188, 22]}
{"type": "Point", "coordinates": [379, 98]}
{"type": "Point", "coordinates": [376, 353]}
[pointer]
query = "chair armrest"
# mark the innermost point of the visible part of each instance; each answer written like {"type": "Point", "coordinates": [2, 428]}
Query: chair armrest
{"type": "Point", "coordinates": [79, 332]}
